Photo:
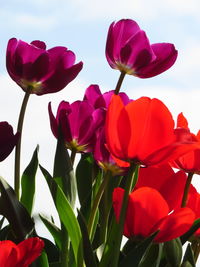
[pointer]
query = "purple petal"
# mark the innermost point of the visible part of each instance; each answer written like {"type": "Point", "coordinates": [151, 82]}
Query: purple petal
{"type": "Point", "coordinates": [137, 52]}
{"type": "Point", "coordinates": [166, 55]}
{"type": "Point", "coordinates": [7, 140]}
{"type": "Point", "coordinates": [118, 35]}
{"type": "Point", "coordinates": [92, 93]}
{"type": "Point", "coordinates": [53, 122]}
{"type": "Point", "coordinates": [39, 44]}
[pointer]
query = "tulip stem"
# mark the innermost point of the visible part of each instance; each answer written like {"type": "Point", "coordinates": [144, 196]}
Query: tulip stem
{"type": "Point", "coordinates": [18, 146]}
{"type": "Point", "coordinates": [186, 189]}
{"type": "Point", "coordinates": [96, 203]}
{"type": "Point", "coordinates": [72, 156]}
{"type": "Point", "coordinates": [119, 83]}
{"type": "Point", "coordinates": [130, 184]}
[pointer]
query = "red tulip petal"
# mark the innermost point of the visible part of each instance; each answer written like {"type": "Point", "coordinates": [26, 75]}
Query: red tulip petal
{"type": "Point", "coordinates": [174, 225]}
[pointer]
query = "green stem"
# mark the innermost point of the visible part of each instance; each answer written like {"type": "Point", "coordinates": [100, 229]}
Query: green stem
{"type": "Point", "coordinates": [130, 183]}
{"type": "Point", "coordinates": [186, 189]}
{"type": "Point", "coordinates": [18, 146]}
{"type": "Point", "coordinates": [96, 203]}
{"type": "Point", "coordinates": [196, 249]}
{"type": "Point", "coordinates": [119, 83]}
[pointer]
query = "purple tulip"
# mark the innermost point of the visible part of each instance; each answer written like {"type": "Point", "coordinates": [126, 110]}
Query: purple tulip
{"type": "Point", "coordinates": [103, 157]}
{"type": "Point", "coordinates": [43, 71]}
{"type": "Point", "coordinates": [78, 123]}
{"type": "Point", "coordinates": [8, 140]}
{"type": "Point", "coordinates": [99, 100]}
{"type": "Point", "coordinates": [128, 50]}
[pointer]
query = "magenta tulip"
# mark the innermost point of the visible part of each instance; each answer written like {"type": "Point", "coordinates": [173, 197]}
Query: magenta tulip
{"type": "Point", "coordinates": [128, 50]}
{"type": "Point", "coordinates": [8, 140]}
{"type": "Point", "coordinates": [41, 71]}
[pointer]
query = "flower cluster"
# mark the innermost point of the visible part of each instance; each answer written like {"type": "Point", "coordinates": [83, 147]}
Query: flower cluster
{"type": "Point", "coordinates": [126, 179]}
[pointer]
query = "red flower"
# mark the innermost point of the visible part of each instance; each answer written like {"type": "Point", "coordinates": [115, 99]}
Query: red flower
{"type": "Point", "coordinates": [143, 132]}
{"type": "Point", "coordinates": [21, 255]}
{"type": "Point", "coordinates": [44, 71]}
{"type": "Point", "coordinates": [189, 162]}
{"type": "Point", "coordinates": [194, 204]}
{"type": "Point", "coordinates": [147, 212]}
{"type": "Point", "coordinates": [164, 179]}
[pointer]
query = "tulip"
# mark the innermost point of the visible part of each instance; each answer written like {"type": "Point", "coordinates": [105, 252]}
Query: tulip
{"type": "Point", "coordinates": [189, 162]}
{"type": "Point", "coordinates": [147, 212]}
{"type": "Point", "coordinates": [22, 254]}
{"type": "Point", "coordinates": [194, 204]}
{"type": "Point", "coordinates": [99, 100]}
{"type": "Point", "coordinates": [78, 123]}
{"type": "Point", "coordinates": [39, 70]}
{"type": "Point", "coordinates": [8, 140]}
{"type": "Point", "coordinates": [164, 179]}
{"type": "Point", "coordinates": [128, 50]}
{"type": "Point", "coordinates": [143, 132]}
{"type": "Point", "coordinates": [103, 157]}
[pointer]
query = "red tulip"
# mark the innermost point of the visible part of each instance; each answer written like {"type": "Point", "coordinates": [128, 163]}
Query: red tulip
{"type": "Point", "coordinates": [21, 255]}
{"type": "Point", "coordinates": [189, 162]}
{"type": "Point", "coordinates": [44, 71]}
{"type": "Point", "coordinates": [143, 132]}
{"type": "Point", "coordinates": [147, 212]}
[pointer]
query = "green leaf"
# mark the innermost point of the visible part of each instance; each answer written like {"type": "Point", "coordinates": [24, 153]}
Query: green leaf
{"type": "Point", "coordinates": [15, 212]}
{"type": "Point", "coordinates": [42, 261]}
{"type": "Point", "coordinates": [173, 252]}
{"type": "Point", "coordinates": [189, 256]}
{"type": "Point", "coordinates": [63, 171]}
{"type": "Point", "coordinates": [89, 257]}
{"type": "Point", "coordinates": [28, 182]}
{"type": "Point", "coordinates": [134, 257]}
{"type": "Point", "coordinates": [53, 229]}
{"type": "Point", "coordinates": [66, 215]}
{"type": "Point", "coordinates": [184, 238]}
{"type": "Point", "coordinates": [84, 173]}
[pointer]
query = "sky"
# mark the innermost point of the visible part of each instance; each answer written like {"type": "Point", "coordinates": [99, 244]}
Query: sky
{"type": "Point", "coordinates": [82, 25]}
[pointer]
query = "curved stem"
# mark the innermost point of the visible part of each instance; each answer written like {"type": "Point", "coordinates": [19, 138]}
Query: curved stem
{"type": "Point", "coordinates": [96, 203]}
{"type": "Point", "coordinates": [18, 146]}
{"type": "Point", "coordinates": [119, 83]}
{"type": "Point", "coordinates": [186, 189]}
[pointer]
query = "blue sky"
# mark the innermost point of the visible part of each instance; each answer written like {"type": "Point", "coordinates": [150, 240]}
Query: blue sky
{"type": "Point", "coordinates": [82, 25]}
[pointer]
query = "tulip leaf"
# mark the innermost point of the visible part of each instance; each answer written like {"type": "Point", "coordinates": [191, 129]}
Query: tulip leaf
{"type": "Point", "coordinates": [66, 215]}
{"type": "Point", "coordinates": [15, 212]}
{"type": "Point", "coordinates": [84, 178]}
{"type": "Point", "coordinates": [89, 256]}
{"type": "Point", "coordinates": [28, 182]}
{"type": "Point", "coordinates": [189, 257]}
{"type": "Point", "coordinates": [173, 252]}
{"type": "Point", "coordinates": [184, 238]}
{"type": "Point", "coordinates": [63, 171]}
{"type": "Point", "coordinates": [134, 257]}
{"type": "Point", "coordinates": [42, 261]}
{"type": "Point", "coordinates": [53, 229]}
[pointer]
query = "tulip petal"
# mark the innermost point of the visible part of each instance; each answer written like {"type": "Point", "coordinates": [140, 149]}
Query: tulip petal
{"type": "Point", "coordinates": [174, 225]}
{"type": "Point", "coordinates": [166, 55]}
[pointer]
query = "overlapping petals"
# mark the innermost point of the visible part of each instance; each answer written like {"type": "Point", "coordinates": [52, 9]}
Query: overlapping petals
{"type": "Point", "coordinates": [78, 123]}
{"type": "Point", "coordinates": [147, 212]}
{"type": "Point", "coordinates": [8, 139]}
{"type": "Point", "coordinates": [128, 50]}
{"type": "Point", "coordinates": [143, 132]}
{"type": "Point", "coordinates": [21, 255]}
{"type": "Point", "coordinates": [42, 71]}
{"type": "Point", "coordinates": [189, 162]}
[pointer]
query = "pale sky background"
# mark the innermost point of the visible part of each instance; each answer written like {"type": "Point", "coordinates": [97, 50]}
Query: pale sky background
{"type": "Point", "coordinates": [82, 25]}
